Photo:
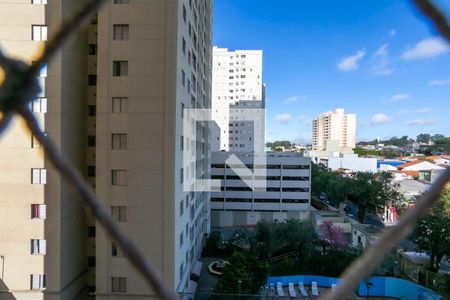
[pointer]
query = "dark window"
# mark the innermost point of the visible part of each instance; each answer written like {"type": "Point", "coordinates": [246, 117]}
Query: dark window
{"type": "Point", "coordinates": [296, 178]}
{"type": "Point", "coordinates": [91, 231]}
{"type": "Point", "coordinates": [295, 201]}
{"type": "Point", "coordinates": [92, 49]}
{"type": "Point", "coordinates": [217, 199]}
{"type": "Point", "coordinates": [121, 1]}
{"type": "Point", "coordinates": [91, 141]}
{"type": "Point", "coordinates": [92, 80]}
{"type": "Point", "coordinates": [267, 200]}
{"type": "Point", "coordinates": [239, 200]}
{"type": "Point", "coordinates": [91, 171]}
{"type": "Point", "coordinates": [295, 167]}
{"type": "Point", "coordinates": [92, 110]}
{"type": "Point", "coordinates": [238, 188]}
{"type": "Point", "coordinates": [91, 261]}
{"type": "Point", "coordinates": [295, 189]}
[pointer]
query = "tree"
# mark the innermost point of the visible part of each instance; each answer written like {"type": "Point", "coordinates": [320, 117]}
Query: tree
{"type": "Point", "coordinates": [432, 233]}
{"type": "Point", "coordinates": [332, 236]}
{"type": "Point", "coordinates": [437, 137]}
{"type": "Point", "coordinates": [423, 138]}
{"type": "Point", "coordinates": [373, 193]}
{"type": "Point", "coordinates": [329, 182]}
{"type": "Point", "coordinates": [278, 238]}
{"type": "Point", "coordinates": [247, 267]}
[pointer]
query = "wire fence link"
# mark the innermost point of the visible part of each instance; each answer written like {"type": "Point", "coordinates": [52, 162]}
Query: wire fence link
{"type": "Point", "coordinates": [20, 87]}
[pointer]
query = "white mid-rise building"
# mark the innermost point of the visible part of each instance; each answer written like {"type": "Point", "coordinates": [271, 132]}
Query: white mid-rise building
{"type": "Point", "coordinates": [246, 128]}
{"type": "Point", "coordinates": [334, 126]}
{"type": "Point", "coordinates": [237, 76]}
{"type": "Point", "coordinates": [286, 195]}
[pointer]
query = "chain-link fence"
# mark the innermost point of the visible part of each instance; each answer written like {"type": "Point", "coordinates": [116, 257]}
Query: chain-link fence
{"type": "Point", "coordinates": [20, 87]}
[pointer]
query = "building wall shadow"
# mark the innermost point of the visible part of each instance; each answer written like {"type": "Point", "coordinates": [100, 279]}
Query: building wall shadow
{"type": "Point", "coordinates": [4, 292]}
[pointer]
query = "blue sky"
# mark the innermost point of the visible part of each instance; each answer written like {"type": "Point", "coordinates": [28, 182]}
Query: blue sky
{"type": "Point", "coordinates": [379, 59]}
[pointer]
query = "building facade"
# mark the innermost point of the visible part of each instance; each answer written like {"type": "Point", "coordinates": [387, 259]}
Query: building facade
{"type": "Point", "coordinates": [246, 127]}
{"type": "Point", "coordinates": [334, 126]}
{"type": "Point", "coordinates": [287, 193]}
{"type": "Point", "coordinates": [237, 76]}
{"type": "Point", "coordinates": [43, 224]}
{"type": "Point", "coordinates": [115, 98]}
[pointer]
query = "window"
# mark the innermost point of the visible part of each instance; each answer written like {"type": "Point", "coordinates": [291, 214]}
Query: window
{"type": "Point", "coordinates": [121, 1]}
{"type": "Point", "coordinates": [116, 251]}
{"type": "Point", "coordinates": [39, 32]}
{"type": "Point", "coordinates": [91, 231]}
{"type": "Point", "coordinates": [39, 105]}
{"type": "Point", "coordinates": [91, 141]}
{"type": "Point", "coordinates": [37, 281]}
{"type": "Point", "coordinates": [91, 171]}
{"type": "Point", "coordinates": [92, 49]}
{"type": "Point", "coordinates": [182, 110]}
{"type": "Point", "coordinates": [92, 110]}
{"type": "Point", "coordinates": [181, 175]}
{"type": "Point", "coordinates": [181, 239]}
{"type": "Point", "coordinates": [183, 45]}
{"type": "Point", "coordinates": [120, 32]}
{"type": "Point", "coordinates": [92, 80]}
{"type": "Point", "coordinates": [38, 246]}
{"type": "Point", "coordinates": [39, 211]}
{"type": "Point", "coordinates": [118, 284]}
{"type": "Point", "coordinates": [181, 207]}
{"type": "Point", "coordinates": [184, 13]}
{"type": "Point", "coordinates": [183, 78]}
{"type": "Point", "coordinates": [39, 2]}
{"type": "Point", "coordinates": [91, 261]}
{"type": "Point", "coordinates": [119, 105]}
{"type": "Point", "coordinates": [120, 68]}
{"type": "Point", "coordinates": [38, 176]}
{"type": "Point", "coordinates": [181, 143]}
{"type": "Point", "coordinates": [119, 177]}
{"type": "Point", "coordinates": [119, 213]}
{"type": "Point", "coordinates": [118, 141]}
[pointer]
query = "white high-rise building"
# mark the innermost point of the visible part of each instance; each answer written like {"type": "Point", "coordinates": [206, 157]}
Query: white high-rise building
{"type": "Point", "coordinates": [334, 126]}
{"type": "Point", "coordinates": [237, 76]}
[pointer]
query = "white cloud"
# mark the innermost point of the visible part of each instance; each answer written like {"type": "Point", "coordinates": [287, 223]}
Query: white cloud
{"type": "Point", "coordinates": [392, 32]}
{"type": "Point", "coordinates": [421, 122]}
{"type": "Point", "coordinates": [283, 118]}
{"type": "Point", "coordinates": [400, 97]}
{"type": "Point", "coordinates": [424, 110]}
{"type": "Point", "coordinates": [426, 48]}
{"type": "Point", "coordinates": [293, 99]}
{"type": "Point", "coordinates": [380, 61]}
{"type": "Point", "coordinates": [350, 63]}
{"type": "Point", "coordinates": [382, 51]}
{"type": "Point", "coordinates": [439, 82]}
{"type": "Point", "coordinates": [378, 119]}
